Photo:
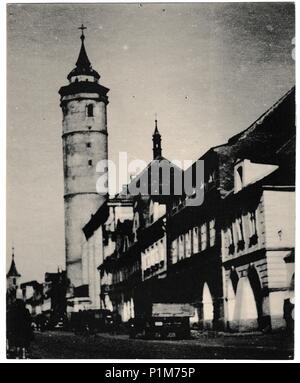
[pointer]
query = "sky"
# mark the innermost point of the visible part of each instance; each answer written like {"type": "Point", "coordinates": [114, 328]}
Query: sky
{"type": "Point", "coordinates": [207, 69]}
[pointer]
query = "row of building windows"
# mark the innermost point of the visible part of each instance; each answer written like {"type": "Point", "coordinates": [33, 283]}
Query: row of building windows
{"type": "Point", "coordinates": [123, 274]}
{"type": "Point", "coordinates": [154, 254]}
{"type": "Point", "coordinates": [242, 232]}
{"type": "Point", "coordinates": [194, 241]}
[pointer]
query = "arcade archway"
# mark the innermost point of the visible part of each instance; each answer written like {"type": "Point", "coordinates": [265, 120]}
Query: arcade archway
{"type": "Point", "coordinates": [207, 307]}
{"type": "Point", "coordinates": [248, 302]}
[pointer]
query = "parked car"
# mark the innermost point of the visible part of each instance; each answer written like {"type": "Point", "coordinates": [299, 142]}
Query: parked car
{"type": "Point", "coordinates": [165, 319]}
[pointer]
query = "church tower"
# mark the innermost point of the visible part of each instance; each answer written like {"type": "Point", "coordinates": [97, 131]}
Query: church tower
{"type": "Point", "coordinates": [83, 102]}
{"type": "Point", "coordinates": [12, 277]}
{"type": "Point", "coordinates": [156, 138]}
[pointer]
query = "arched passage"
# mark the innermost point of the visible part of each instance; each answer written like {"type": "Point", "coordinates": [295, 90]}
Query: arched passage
{"type": "Point", "coordinates": [208, 307]}
{"type": "Point", "coordinates": [257, 291]}
{"type": "Point", "coordinates": [248, 305]}
{"type": "Point", "coordinates": [232, 283]}
{"type": "Point", "coordinates": [234, 280]}
{"type": "Point", "coordinates": [230, 300]}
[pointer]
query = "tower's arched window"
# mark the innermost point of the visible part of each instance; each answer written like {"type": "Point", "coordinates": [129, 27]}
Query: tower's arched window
{"type": "Point", "coordinates": [90, 110]}
{"type": "Point", "coordinates": [90, 162]}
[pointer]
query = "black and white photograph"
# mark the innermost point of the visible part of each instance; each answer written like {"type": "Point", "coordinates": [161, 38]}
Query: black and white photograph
{"type": "Point", "coordinates": [150, 181]}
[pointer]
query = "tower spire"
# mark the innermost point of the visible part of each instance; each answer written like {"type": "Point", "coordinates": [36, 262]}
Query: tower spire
{"type": "Point", "coordinates": [156, 138]}
{"type": "Point", "coordinates": [83, 64]}
{"type": "Point", "coordinates": [12, 272]}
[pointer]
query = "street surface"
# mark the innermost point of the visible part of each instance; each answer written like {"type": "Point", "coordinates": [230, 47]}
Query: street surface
{"type": "Point", "coordinates": [66, 345]}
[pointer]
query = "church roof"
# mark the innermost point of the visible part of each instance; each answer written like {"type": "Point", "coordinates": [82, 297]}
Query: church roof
{"type": "Point", "coordinates": [153, 185]}
{"type": "Point", "coordinates": [83, 64]}
{"type": "Point", "coordinates": [12, 272]}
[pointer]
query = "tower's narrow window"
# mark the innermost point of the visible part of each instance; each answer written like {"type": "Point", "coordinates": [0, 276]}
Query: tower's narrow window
{"type": "Point", "coordinates": [90, 110]}
{"type": "Point", "coordinates": [90, 162]}
{"type": "Point", "coordinates": [88, 144]}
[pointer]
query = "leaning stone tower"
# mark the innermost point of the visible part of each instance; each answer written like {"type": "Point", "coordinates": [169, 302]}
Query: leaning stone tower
{"type": "Point", "coordinates": [83, 102]}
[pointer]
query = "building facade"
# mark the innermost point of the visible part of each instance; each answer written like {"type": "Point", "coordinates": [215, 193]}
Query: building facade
{"type": "Point", "coordinates": [230, 257]}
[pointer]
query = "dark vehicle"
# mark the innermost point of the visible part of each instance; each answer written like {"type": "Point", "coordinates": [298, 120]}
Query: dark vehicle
{"type": "Point", "coordinates": [165, 319]}
{"type": "Point", "coordinates": [59, 325]}
{"type": "Point", "coordinates": [91, 321]}
{"type": "Point", "coordinates": [41, 322]}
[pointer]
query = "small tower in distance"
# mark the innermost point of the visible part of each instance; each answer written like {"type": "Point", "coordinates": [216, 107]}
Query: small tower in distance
{"type": "Point", "coordinates": [12, 277]}
{"type": "Point", "coordinates": [84, 138]}
{"type": "Point", "coordinates": [156, 138]}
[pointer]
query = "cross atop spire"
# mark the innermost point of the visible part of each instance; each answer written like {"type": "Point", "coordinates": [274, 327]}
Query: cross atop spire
{"type": "Point", "coordinates": [82, 29]}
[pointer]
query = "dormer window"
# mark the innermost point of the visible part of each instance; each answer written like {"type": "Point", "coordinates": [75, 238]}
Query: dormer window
{"type": "Point", "coordinates": [239, 171]}
{"type": "Point", "coordinates": [247, 172]}
{"type": "Point", "coordinates": [239, 175]}
{"type": "Point", "coordinates": [90, 110]}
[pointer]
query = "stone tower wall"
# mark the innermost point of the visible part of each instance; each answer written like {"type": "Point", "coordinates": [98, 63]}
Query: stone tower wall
{"type": "Point", "coordinates": [84, 144]}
